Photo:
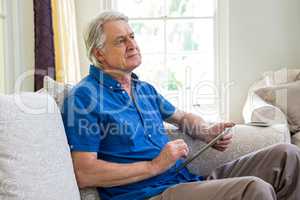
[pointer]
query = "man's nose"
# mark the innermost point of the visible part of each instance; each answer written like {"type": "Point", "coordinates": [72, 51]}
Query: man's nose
{"type": "Point", "coordinates": [131, 43]}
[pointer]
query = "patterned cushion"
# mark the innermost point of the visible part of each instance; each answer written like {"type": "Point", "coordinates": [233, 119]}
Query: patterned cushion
{"type": "Point", "coordinates": [57, 90]}
{"type": "Point", "coordinates": [35, 162]}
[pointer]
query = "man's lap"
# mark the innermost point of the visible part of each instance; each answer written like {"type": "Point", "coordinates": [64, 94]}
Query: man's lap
{"type": "Point", "coordinates": [235, 176]}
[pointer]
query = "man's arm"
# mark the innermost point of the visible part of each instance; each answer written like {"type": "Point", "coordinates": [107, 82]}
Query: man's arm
{"type": "Point", "coordinates": [92, 172]}
{"type": "Point", "coordinates": [189, 123]}
{"type": "Point", "coordinates": [197, 127]}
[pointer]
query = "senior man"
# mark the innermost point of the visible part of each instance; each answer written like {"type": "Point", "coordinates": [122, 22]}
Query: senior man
{"type": "Point", "coordinates": [114, 126]}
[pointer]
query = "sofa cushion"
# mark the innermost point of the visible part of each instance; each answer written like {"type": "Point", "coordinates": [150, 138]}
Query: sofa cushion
{"type": "Point", "coordinates": [287, 98]}
{"type": "Point", "coordinates": [35, 162]}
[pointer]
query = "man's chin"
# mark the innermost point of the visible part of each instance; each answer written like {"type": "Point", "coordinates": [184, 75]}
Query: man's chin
{"type": "Point", "coordinates": [131, 68]}
{"type": "Point", "coordinates": [132, 65]}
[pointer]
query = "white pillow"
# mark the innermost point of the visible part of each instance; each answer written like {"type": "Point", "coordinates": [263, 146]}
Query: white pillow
{"type": "Point", "coordinates": [35, 161]}
{"type": "Point", "coordinates": [287, 98]}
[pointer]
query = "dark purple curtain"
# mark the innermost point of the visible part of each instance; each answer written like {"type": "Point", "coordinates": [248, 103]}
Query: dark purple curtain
{"type": "Point", "coordinates": [44, 43]}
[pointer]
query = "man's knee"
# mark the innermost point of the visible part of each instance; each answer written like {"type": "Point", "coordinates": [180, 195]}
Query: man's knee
{"type": "Point", "coordinates": [259, 189]}
{"type": "Point", "coordinates": [286, 149]}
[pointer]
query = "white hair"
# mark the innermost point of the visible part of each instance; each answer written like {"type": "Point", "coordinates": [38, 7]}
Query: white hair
{"type": "Point", "coordinates": [95, 37]}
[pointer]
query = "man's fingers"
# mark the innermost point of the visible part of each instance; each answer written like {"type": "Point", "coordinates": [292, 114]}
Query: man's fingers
{"type": "Point", "coordinates": [184, 152]}
{"type": "Point", "coordinates": [181, 145]}
{"type": "Point", "coordinates": [229, 124]}
{"type": "Point", "coordinates": [221, 147]}
{"type": "Point", "coordinates": [228, 136]}
{"type": "Point", "coordinates": [224, 142]}
{"type": "Point", "coordinates": [178, 141]}
{"type": "Point", "coordinates": [224, 125]}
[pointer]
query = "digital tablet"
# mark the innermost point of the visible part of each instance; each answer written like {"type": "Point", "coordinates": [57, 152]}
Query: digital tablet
{"type": "Point", "coordinates": [260, 124]}
{"type": "Point", "coordinates": [204, 148]}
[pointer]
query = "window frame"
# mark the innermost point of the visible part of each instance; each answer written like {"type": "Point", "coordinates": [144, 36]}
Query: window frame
{"type": "Point", "coordinates": [221, 52]}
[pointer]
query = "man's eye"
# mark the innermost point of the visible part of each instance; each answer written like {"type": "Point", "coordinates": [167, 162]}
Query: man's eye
{"type": "Point", "coordinates": [132, 36]}
{"type": "Point", "coordinates": [120, 41]}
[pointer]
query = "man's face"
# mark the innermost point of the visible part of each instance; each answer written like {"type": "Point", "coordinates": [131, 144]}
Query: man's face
{"type": "Point", "coordinates": [120, 51]}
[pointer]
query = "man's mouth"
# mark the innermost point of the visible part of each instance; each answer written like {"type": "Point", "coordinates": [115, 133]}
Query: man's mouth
{"type": "Point", "coordinates": [132, 55]}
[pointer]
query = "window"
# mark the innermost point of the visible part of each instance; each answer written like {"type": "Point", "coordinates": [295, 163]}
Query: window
{"type": "Point", "coordinates": [177, 40]}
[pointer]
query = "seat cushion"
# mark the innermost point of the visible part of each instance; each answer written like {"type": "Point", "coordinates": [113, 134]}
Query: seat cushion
{"type": "Point", "coordinates": [35, 161]}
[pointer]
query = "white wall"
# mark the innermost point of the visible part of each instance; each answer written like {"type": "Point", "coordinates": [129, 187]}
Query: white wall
{"type": "Point", "coordinates": [264, 35]}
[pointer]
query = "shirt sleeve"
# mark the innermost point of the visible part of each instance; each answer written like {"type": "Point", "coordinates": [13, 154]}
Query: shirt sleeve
{"type": "Point", "coordinates": [81, 124]}
{"type": "Point", "coordinates": [166, 108]}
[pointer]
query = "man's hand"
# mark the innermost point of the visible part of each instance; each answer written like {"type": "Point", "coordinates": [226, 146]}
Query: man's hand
{"type": "Point", "coordinates": [215, 130]}
{"type": "Point", "coordinates": [172, 151]}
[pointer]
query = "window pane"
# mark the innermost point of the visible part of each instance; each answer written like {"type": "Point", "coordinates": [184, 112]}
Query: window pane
{"type": "Point", "coordinates": [192, 77]}
{"type": "Point", "coordinates": [149, 35]}
{"type": "Point", "coordinates": [190, 8]}
{"type": "Point", "coordinates": [141, 8]}
{"type": "Point", "coordinates": [152, 69]}
{"type": "Point", "coordinates": [190, 70]}
{"type": "Point", "coordinates": [190, 35]}
{"type": "Point", "coordinates": [178, 53]}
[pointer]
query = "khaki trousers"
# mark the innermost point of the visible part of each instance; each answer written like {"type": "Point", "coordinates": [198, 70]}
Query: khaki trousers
{"type": "Point", "coordinates": [271, 173]}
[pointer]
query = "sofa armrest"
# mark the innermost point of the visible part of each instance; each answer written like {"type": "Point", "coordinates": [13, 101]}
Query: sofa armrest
{"type": "Point", "coordinates": [246, 139]}
{"type": "Point", "coordinates": [256, 109]}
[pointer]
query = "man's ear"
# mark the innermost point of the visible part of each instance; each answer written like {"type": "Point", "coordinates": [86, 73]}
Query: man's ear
{"type": "Point", "coordinates": [99, 54]}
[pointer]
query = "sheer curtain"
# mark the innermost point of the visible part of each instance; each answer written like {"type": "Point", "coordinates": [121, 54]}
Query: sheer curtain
{"type": "Point", "coordinates": [67, 65]}
{"type": "Point", "coordinates": [2, 61]}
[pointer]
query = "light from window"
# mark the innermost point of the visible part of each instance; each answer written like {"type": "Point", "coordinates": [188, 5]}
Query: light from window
{"type": "Point", "coordinates": [176, 38]}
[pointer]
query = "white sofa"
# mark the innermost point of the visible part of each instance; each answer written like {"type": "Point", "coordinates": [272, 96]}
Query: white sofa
{"type": "Point", "coordinates": [35, 162]}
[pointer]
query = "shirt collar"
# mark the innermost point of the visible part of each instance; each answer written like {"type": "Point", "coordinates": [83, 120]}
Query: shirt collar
{"type": "Point", "coordinates": [106, 80]}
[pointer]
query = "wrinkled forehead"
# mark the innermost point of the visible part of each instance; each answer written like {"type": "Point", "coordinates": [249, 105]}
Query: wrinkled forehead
{"type": "Point", "coordinates": [114, 29]}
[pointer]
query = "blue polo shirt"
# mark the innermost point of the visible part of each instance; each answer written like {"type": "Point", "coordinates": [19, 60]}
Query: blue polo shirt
{"type": "Point", "coordinates": [99, 116]}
